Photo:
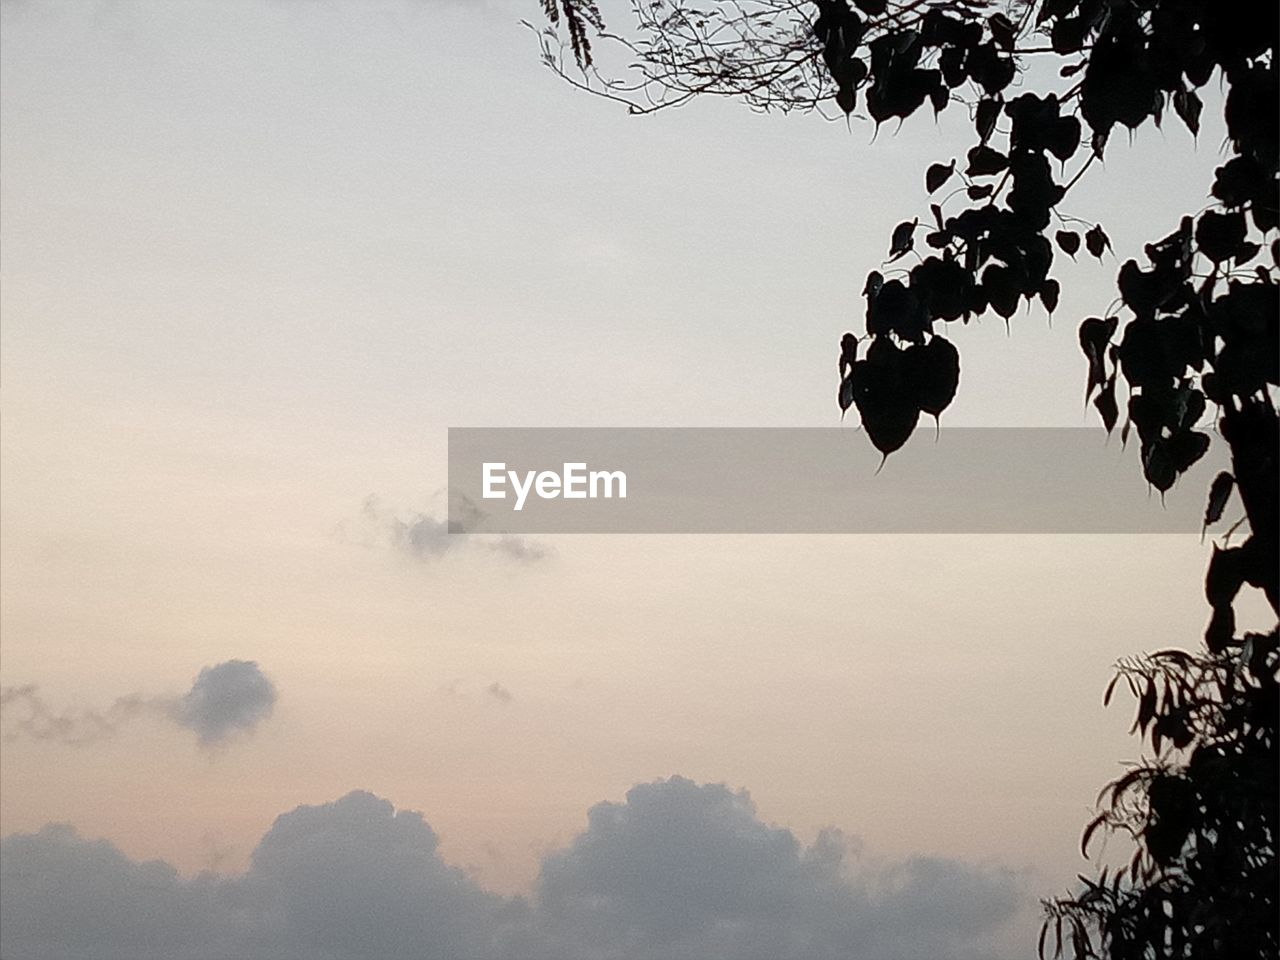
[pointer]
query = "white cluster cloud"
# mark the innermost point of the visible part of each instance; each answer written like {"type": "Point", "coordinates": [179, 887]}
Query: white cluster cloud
{"type": "Point", "coordinates": [679, 871]}
{"type": "Point", "coordinates": [226, 699]}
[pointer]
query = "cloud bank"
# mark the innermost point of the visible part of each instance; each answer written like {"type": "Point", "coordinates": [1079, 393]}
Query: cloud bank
{"type": "Point", "coordinates": [226, 699]}
{"type": "Point", "coordinates": [677, 871]}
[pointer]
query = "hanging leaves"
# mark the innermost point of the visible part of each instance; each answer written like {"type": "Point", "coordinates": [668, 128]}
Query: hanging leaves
{"type": "Point", "coordinates": [884, 398]}
{"type": "Point", "coordinates": [1220, 235]}
{"type": "Point", "coordinates": [896, 309]}
{"type": "Point", "coordinates": [933, 370]}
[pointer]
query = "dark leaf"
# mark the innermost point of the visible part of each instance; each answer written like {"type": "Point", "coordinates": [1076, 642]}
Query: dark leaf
{"type": "Point", "coordinates": [883, 396]}
{"type": "Point", "coordinates": [1119, 84]}
{"type": "Point", "coordinates": [986, 162]}
{"type": "Point", "coordinates": [1246, 252]}
{"type": "Point", "coordinates": [1228, 570]}
{"type": "Point", "coordinates": [1003, 31]}
{"type": "Point", "coordinates": [1001, 289]}
{"type": "Point", "coordinates": [1146, 707]}
{"type": "Point", "coordinates": [1157, 465]}
{"type": "Point", "coordinates": [940, 285]}
{"type": "Point", "coordinates": [1063, 138]}
{"type": "Point", "coordinates": [848, 352]}
{"type": "Point", "coordinates": [1188, 106]}
{"type": "Point", "coordinates": [938, 174]}
{"type": "Point", "coordinates": [1068, 34]}
{"type": "Point", "coordinates": [1220, 235]}
{"type": "Point", "coordinates": [985, 117]}
{"type": "Point", "coordinates": [1186, 447]}
{"type": "Point", "coordinates": [1096, 241]}
{"type": "Point", "coordinates": [1221, 629]}
{"type": "Point", "coordinates": [1095, 335]}
{"type": "Point", "coordinates": [1068, 242]}
{"type": "Point", "coordinates": [874, 282]}
{"type": "Point", "coordinates": [846, 395]}
{"type": "Point", "coordinates": [897, 309]}
{"type": "Point", "coordinates": [847, 98]}
{"type": "Point", "coordinates": [902, 240]}
{"type": "Point", "coordinates": [1049, 292]}
{"type": "Point", "coordinates": [1219, 493]}
{"type": "Point", "coordinates": [1242, 180]}
{"type": "Point", "coordinates": [951, 64]}
{"type": "Point", "coordinates": [1105, 402]}
{"type": "Point", "coordinates": [939, 97]}
{"type": "Point", "coordinates": [933, 372]}
{"type": "Point", "coordinates": [988, 68]}
{"type": "Point", "coordinates": [1106, 696]}
{"type": "Point", "coordinates": [1094, 824]}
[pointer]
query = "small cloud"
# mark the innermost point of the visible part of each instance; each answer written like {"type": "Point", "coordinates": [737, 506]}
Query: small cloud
{"type": "Point", "coordinates": [426, 537]}
{"type": "Point", "coordinates": [36, 720]}
{"type": "Point", "coordinates": [226, 699]}
{"type": "Point", "coordinates": [499, 692]}
{"type": "Point", "coordinates": [517, 548]}
{"type": "Point", "coordinates": [421, 536]}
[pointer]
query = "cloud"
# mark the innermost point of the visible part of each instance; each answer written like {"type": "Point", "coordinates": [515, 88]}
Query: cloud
{"type": "Point", "coordinates": [676, 871]}
{"type": "Point", "coordinates": [682, 871]}
{"type": "Point", "coordinates": [32, 717]}
{"type": "Point", "coordinates": [499, 692]}
{"type": "Point", "coordinates": [224, 700]}
{"type": "Point", "coordinates": [425, 537]}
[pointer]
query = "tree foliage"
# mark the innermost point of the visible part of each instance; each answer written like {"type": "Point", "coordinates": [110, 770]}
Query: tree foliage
{"type": "Point", "coordinates": [1191, 350]}
{"type": "Point", "coordinates": [1202, 814]}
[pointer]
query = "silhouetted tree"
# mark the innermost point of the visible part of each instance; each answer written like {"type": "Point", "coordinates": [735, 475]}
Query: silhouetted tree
{"type": "Point", "coordinates": [1196, 349]}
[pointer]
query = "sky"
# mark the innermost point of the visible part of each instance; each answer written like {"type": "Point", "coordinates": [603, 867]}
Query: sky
{"type": "Point", "coordinates": [257, 257]}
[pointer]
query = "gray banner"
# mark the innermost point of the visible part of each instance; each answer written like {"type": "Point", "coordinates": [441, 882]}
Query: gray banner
{"type": "Point", "coordinates": [827, 480]}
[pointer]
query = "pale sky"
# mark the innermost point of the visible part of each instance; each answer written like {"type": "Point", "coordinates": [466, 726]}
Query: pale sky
{"type": "Point", "coordinates": [258, 256]}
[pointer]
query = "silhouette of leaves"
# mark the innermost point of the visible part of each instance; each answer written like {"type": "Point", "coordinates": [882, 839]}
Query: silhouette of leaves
{"type": "Point", "coordinates": [1195, 338]}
